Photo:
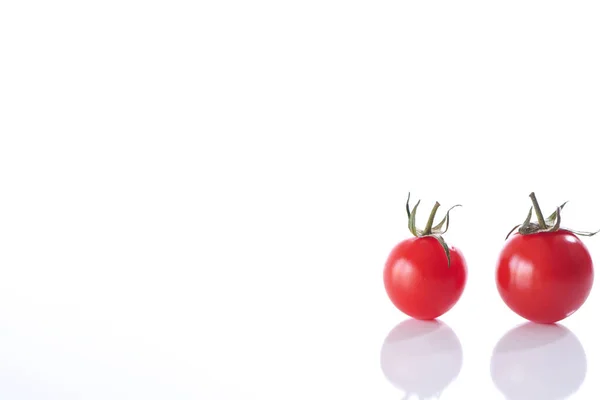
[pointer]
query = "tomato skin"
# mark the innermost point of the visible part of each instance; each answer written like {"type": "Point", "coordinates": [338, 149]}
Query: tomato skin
{"type": "Point", "coordinates": [544, 277]}
{"type": "Point", "coordinates": [419, 281]}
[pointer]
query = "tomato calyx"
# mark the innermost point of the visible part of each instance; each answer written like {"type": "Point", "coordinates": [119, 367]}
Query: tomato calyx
{"type": "Point", "coordinates": [430, 230]}
{"type": "Point", "coordinates": [550, 224]}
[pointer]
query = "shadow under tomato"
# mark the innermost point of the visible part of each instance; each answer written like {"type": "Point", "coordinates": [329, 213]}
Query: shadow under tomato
{"type": "Point", "coordinates": [535, 361]}
{"type": "Point", "coordinates": [421, 357]}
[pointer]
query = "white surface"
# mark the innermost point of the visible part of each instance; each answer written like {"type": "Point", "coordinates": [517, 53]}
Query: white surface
{"type": "Point", "coordinates": [197, 198]}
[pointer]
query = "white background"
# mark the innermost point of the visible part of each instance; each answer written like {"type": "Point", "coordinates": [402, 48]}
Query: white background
{"type": "Point", "coordinates": [197, 198]}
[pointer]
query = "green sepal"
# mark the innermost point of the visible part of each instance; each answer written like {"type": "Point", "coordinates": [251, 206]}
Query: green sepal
{"type": "Point", "coordinates": [512, 230]}
{"type": "Point", "coordinates": [412, 220]}
{"type": "Point", "coordinates": [556, 225]}
{"type": "Point", "coordinates": [581, 233]}
{"type": "Point", "coordinates": [552, 217]}
{"type": "Point", "coordinates": [441, 240]}
{"type": "Point", "coordinates": [438, 228]}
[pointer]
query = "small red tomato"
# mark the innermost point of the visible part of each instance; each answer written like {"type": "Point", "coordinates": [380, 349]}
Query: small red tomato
{"type": "Point", "coordinates": [544, 273]}
{"type": "Point", "coordinates": [423, 276]}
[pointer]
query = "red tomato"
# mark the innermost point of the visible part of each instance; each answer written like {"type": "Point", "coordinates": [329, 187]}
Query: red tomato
{"type": "Point", "coordinates": [546, 276]}
{"type": "Point", "coordinates": [419, 281]}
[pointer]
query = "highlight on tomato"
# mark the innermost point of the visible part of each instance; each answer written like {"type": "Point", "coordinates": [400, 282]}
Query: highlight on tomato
{"type": "Point", "coordinates": [423, 276]}
{"type": "Point", "coordinates": [544, 272]}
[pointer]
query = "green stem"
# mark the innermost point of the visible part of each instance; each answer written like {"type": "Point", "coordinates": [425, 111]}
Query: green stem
{"type": "Point", "coordinates": [427, 230]}
{"type": "Point", "coordinates": [538, 211]}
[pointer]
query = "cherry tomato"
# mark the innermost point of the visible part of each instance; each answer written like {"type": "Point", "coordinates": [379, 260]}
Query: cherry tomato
{"type": "Point", "coordinates": [545, 276]}
{"type": "Point", "coordinates": [418, 279]}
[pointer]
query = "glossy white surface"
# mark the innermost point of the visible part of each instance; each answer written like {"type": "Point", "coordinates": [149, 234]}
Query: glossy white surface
{"type": "Point", "coordinates": [197, 198]}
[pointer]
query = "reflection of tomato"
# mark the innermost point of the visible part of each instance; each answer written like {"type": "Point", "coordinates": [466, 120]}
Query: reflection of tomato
{"type": "Point", "coordinates": [421, 357]}
{"type": "Point", "coordinates": [545, 276]}
{"type": "Point", "coordinates": [419, 281]}
{"type": "Point", "coordinates": [536, 361]}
